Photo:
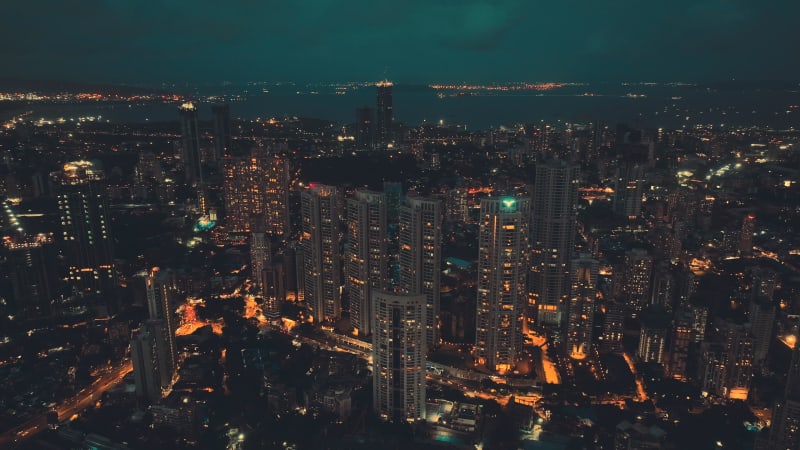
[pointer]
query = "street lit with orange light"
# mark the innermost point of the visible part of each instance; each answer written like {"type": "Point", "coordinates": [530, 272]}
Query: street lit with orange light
{"type": "Point", "coordinates": [639, 384]}
{"type": "Point", "coordinates": [190, 323]}
{"type": "Point", "coordinates": [70, 407]}
{"type": "Point", "coordinates": [551, 374]}
{"type": "Point", "coordinates": [789, 340]}
{"type": "Point", "coordinates": [252, 310]}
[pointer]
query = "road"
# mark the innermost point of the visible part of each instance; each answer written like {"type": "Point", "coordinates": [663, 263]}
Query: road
{"type": "Point", "coordinates": [639, 384]}
{"type": "Point", "coordinates": [551, 374]}
{"type": "Point", "coordinates": [69, 407]}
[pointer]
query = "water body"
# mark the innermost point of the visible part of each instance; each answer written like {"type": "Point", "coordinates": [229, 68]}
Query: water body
{"type": "Point", "coordinates": [668, 106]}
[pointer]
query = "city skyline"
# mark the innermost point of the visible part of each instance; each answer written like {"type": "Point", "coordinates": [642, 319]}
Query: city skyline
{"type": "Point", "coordinates": [190, 259]}
{"type": "Point", "coordinates": [507, 268]}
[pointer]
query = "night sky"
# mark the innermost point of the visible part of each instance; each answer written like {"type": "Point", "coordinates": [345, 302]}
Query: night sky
{"type": "Point", "coordinates": [408, 40]}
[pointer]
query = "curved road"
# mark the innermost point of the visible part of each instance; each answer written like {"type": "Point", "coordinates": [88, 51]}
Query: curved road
{"type": "Point", "coordinates": [74, 405]}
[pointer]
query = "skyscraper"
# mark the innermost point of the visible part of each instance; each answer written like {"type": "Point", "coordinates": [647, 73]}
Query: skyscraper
{"type": "Point", "coordinates": [394, 198]}
{"type": "Point", "coordinates": [320, 245]}
{"type": "Point", "coordinates": [613, 328]}
{"type": "Point", "coordinates": [633, 161]}
{"type": "Point", "coordinates": [274, 291]}
{"type": "Point", "coordinates": [146, 363]}
{"type": "Point", "coordinates": [221, 114]}
{"type": "Point", "coordinates": [699, 322]}
{"type": "Point", "coordinates": [365, 255]}
{"type": "Point", "coordinates": [256, 188]}
{"type": "Point", "coordinates": [762, 320]}
{"type": "Point", "coordinates": [365, 127]}
{"type": "Point", "coordinates": [785, 430]}
{"type": "Point", "coordinates": [580, 324]}
{"type": "Point", "coordinates": [763, 282]}
{"type": "Point", "coordinates": [663, 287]}
{"type": "Point", "coordinates": [502, 262]}
{"type": "Point", "coordinates": [711, 368]}
{"type": "Point", "coordinates": [384, 115]}
{"type": "Point", "coordinates": [83, 206]}
{"type": "Point", "coordinates": [276, 212]}
{"type": "Point", "coordinates": [160, 304]}
{"type": "Point", "coordinates": [628, 190]}
{"type": "Point", "coordinates": [31, 273]}
{"type": "Point", "coordinates": [637, 270]}
{"type": "Point", "coordinates": [398, 342]}
{"type": "Point", "coordinates": [680, 342]}
{"type": "Point", "coordinates": [420, 257]}
{"type": "Point", "coordinates": [653, 336]}
{"type": "Point", "coordinates": [555, 197]}
{"type": "Point", "coordinates": [738, 362]}
{"type": "Point", "coordinates": [190, 144]}
{"type": "Point", "coordinates": [150, 353]}
{"type": "Point", "coordinates": [746, 236]}
{"type": "Point", "coordinates": [260, 258]}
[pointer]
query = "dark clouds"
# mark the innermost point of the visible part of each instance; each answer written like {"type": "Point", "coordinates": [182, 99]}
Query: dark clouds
{"type": "Point", "coordinates": [415, 40]}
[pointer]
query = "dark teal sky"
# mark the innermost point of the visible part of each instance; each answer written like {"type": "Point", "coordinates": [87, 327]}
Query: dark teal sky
{"type": "Point", "coordinates": [412, 40]}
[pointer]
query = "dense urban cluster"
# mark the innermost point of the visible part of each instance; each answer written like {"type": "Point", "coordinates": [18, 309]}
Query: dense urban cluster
{"type": "Point", "coordinates": [297, 283]}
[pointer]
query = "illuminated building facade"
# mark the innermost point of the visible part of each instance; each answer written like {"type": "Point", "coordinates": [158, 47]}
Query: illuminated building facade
{"type": "Point", "coordinates": [365, 127]}
{"type": "Point", "coordinates": [653, 337]}
{"type": "Point", "coordinates": [699, 322]}
{"type": "Point", "coordinates": [628, 191]}
{"type": "Point", "coordinates": [398, 342]}
{"type": "Point", "coordinates": [638, 270]}
{"type": "Point", "coordinates": [274, 291]}
{"type": "Point", "coordinates": [630, 180]}
{"type": "Point", "coordinates": [260, 258]}
{"type": "Point", "coordinates": [681, 204]}
{"type": "Point", "coordinates": [746, 236]}
{"type": "Point", "coordinates": [276, 214]}
{"type": "Point", "coordinates": [680, 342]}
{"type": "Point", "coordinates": [420, 257]}
{"type": "Point", "coordinates": [31, 273]}
{"type": "Point", "coordinates": [502, 263]}
{"type": "Point", "coordinates": [613, 328]}
{"type": "Point", "coordinates": [161, 306]}
{"type": "Point", "coordinates": [256, 188]}
{"type": "Point", "coordinates": [83, 207]}
{"type": "Point", "coordinates": [394, 199]}
{"type": "Point", "coordinates": [384, 117]}
{"type": "Point", "coordinates": [190, 144]}
{"type": "Point", "coordinates": [763, 283]}
{"type": "Point", "coordinates": [762, 321]}
{"type": "Point", "coordinates": [705, 211]}
{"type": "Point", "coordinates": [785, 430]}
{"type": "Point", "coordinates": [663, 288]}
{"type": "Point", "coordinates": [738, 362]}
{"type": "Point", "coordinates": [457, 208]}
{"type": "Point", "coordinates": [147, 354]}
{"type": "Point", "coordinates": [320, 248]}
{"type": "Point", "coordinates": [365, 255]}
{"type": "Point", "coordinates": [711, 370]}
{"type": "Point", "coordinates": [145, 366]}
{"type": "Point", "coordinates": [553, 219]}
{"type": "Point", "coordinates": [583, 289]}
{"type": "Point", "coordinates": [221, 114]}
{"type": "Point", "coordinates": [726, 367]}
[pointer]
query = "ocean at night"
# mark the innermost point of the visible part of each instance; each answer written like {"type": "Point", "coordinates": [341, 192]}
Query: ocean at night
{"type": "Point", "coordinates": [668, 105]}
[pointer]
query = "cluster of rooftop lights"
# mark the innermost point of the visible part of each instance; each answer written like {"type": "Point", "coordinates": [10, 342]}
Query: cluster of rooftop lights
{"type": "Point", "coordinates": [79, 172]}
